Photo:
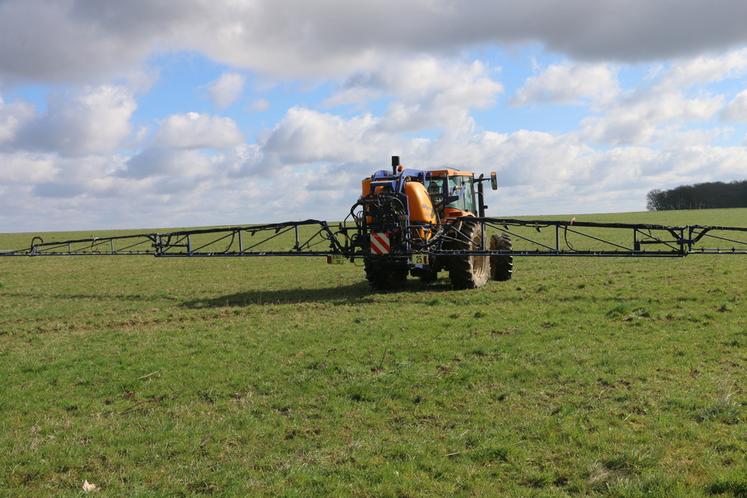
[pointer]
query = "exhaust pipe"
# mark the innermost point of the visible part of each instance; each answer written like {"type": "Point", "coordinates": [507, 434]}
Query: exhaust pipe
{"type": "Point", "coordinates": [395, 164]}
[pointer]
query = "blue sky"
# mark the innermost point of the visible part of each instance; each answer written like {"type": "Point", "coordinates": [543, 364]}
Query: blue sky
{"type": "Point", "coordinates": [193, 113]}
{"type": "Point", "coordinates": [183, 79]}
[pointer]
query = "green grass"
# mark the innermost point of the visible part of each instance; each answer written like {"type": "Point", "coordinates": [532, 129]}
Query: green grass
{"type": "Point", "coordinates": [620, 377]}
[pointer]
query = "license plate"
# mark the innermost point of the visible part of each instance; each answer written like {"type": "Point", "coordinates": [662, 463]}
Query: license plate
{"type": "Point", "coordinates": [419, 259]}
{"type": "Point", "coordinates": [335, 259]}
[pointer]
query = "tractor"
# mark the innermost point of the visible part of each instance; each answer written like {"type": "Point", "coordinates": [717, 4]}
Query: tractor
{"type": "Point", "coordinates": [406, 213]}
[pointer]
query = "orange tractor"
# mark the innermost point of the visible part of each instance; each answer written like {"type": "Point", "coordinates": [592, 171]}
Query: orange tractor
{"type": "Point", "coordinates": [406, 213]}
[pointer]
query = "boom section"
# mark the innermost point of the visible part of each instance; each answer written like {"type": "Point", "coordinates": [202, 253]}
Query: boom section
{"type": "Point", "coordinates": [294, 238]}
{"type": "Point", "coordinates": [350, 240]}
{"type": "Point", "coordinates": [595, 239]}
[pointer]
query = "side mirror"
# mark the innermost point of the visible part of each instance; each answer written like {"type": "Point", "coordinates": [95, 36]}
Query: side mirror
{"type": "Point", "coordinates": [493, 180]}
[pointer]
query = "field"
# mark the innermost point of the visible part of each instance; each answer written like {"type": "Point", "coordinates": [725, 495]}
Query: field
{"type": "Point", "coordinates": [621, 377]}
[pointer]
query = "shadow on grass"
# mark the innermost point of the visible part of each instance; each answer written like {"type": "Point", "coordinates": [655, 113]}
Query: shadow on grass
{"type": "Point", "coordinates": [355, 293]}
{"type": "Point", "coordinates": [94, 297]}
{"type": "Point", "coordinates": [360, 293]}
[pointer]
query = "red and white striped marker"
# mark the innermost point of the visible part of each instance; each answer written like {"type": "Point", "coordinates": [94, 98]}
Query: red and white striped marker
{"type": "Point", "coordinates": [380, 243]}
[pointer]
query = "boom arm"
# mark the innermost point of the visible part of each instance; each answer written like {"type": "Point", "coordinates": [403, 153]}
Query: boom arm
{"type": "Point", "coordinates": [584, 238]}
{"type": "Point", "coordinates": [319, 238]}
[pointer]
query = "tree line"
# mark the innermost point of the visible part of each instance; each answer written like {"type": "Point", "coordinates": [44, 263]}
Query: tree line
{"type": "Point", "coordinates": [699, 196]}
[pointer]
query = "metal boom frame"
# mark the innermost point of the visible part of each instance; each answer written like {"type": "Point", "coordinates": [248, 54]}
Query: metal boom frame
{"type": "Point", "coordinates": [319, 238]}
{"type": "Point", "coordinates": [249, 240]}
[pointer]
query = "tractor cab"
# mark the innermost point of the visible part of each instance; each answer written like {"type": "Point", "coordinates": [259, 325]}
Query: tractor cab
{"type": "Point", "coordinates": [453, 193]}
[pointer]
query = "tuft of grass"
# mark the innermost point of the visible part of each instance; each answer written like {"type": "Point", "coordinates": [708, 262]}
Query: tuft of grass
{"type": "Point", "coordinates": [724, 410]}
{"type": "Point", "coordinates": [637, 314]}
{"type": "Point", "coordinates": [736, 487]}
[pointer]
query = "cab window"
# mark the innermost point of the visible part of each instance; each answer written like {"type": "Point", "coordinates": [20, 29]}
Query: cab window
{"type": "Point", "coordinates": [435, 186]}
{"type": "Point", "coordinates": [462, 187]}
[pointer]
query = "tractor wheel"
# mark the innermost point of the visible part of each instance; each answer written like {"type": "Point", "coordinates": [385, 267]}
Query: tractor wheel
{"type": "Point", "coordinates": [384, 275]}
{"type": "Point", "coordinates": [469, 272]}
{"type": "Point", "coordinates": [501, 267]}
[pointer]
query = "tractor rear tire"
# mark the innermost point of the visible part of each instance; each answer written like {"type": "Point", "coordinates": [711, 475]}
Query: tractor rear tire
{"type": "Point", "coordinates": [383, 275]}
{"type": "Point", "coordinates": [501, 267]}
{"type": "Point", "coordinates": [469, 272]}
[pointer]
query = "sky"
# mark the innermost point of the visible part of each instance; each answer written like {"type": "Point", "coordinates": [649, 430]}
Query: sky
{"type": "Point", "coordinates": [163, 113]}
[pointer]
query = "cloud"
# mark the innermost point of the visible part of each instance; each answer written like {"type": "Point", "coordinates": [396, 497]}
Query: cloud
{"type": "Point", "coordinates": [181, 166]}
{"type": "Point", "coordinates": [424, 93]}
{"type": "Point", "coordinates": [704, 69]}
{"type": "Point", "coordinates": [71, 41]}
{"type": "Point", "coordinates": [398, 87]}
{"type": "Point", "coordinates": [309, 151]}
{"type": "Point", "coordinates": [638, 119]}
{"type": "Point", "coordinates": [77, 122]}
{"type": "Point", "coordinates": [26, 168]}
{"type": "Point", "coordinates": [84, 40]}
{"type": "Point", "coordinates": [196, 131]}
{"type": "Point", "coordinates": [553, 171]}
{"type": "Point", "coordinates": [226, 90]}
{"type": "Point", "coordinates": [569, 84]}
{"type": "Point", "coordinates": [736, 110]}
{"type": "Point", "coordinates": [259, 105]}
{"type": "Point", "coordinates": [664, 106]}
{"type": "Point", "coordinates": [173, 153]}
{"type": "Point", "coordinates": [13, 117]}
{"type": "Point", "coordinates": [306, 136]}
{"type": "Point", "coordinates": [451, 81]}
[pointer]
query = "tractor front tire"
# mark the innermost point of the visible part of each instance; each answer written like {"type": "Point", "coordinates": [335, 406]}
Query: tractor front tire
{"type": "Point", "coordinates": [469, 272]}
{"type": "Point", "coordinates": [501, 267]}
{"type": "Point", "coordinates": [383, 275]}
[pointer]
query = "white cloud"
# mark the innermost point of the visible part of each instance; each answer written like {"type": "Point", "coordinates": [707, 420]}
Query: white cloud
{"type": "Point", "coordinates": [426, 93]}
{"type": "Point", "coordinates": [540, 173]}
{"type": "Point", "coordinates": [173, 157]}
{"type": "Point", "coordinates": [13, 117]}
{"type": "Point", "coordinates": [81, 177]}
{"type": "Point", "coordinates": [703, 69]}
{"type": "Point", "coordinates": [452, 82]}
{"type": "Point", "coordinates": [226, 89]}
{"type": "Point", "coordinates": [569, 84]}
{"type": "Point", "coordinates": [181, 166]}
{"type": "Point", "coordinates": [26, 168]}
{"type": "Point", "coordinates": [86, 121]}
{"type": "Point", "coordinates": [305, 136]}
{"type": "Point", "coordinates": [638, 119]}
{"type": "Point", "coordinates": [736, 110]}
{"type": "Point", "coordinates": [665, 105]}
{"type": "Point", "coordinates": [194, 131]}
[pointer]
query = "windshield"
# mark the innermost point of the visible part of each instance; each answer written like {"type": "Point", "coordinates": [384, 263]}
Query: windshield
{"type": "Point", "coordinates": [460, 186]}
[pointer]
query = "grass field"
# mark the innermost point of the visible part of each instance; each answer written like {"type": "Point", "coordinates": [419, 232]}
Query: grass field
{"type": "Point", "coordinates": [621, 377]}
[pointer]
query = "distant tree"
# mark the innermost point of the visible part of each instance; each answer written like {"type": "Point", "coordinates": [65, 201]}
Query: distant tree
{"type": "Point", "coordinates": [699, 196]}
{"type": "Point", "coordinates": [653, 200]}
